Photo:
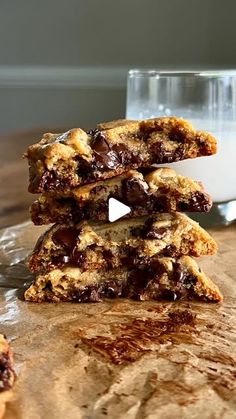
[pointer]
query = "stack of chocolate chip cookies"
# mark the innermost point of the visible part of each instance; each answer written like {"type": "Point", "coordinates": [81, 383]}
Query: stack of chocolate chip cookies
{"type": "Point", "coordinates": [145, 255]}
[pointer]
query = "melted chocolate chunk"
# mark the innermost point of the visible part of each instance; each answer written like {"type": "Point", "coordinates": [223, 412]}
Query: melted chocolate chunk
{"type": "Point", "coordinates": [199, 202]}
{"type": "Point", "coordinates": [160, 203]}
{"type": "Point", "coordinates": [100, 144]}
{"type": "Point", "coordinates": [133, 259]}
{"type": "Point", "coordinates": [169, 251]}
{"type": "Point", "coordinates": [50, 181]}
{"type": "Point", "coordinates": [133, 191]}
{"type": "Point", "coordinates": [59, 260]}
{"type": "Point", "coordinates": [160, 154]}
{"type": "Point", "coordinates": [156, 267]}
{"type": "Point", "coordinates": [107, 156]}
{"type": "Point", "coordinates": [77, 258]}
{"type": "Point", "coordinates": [94, 293]}
{"type": "Point", "coordinates": [108, 257]}
{"type": "Point", "coordinates": [85, 169]}
{"type": "Point", "coordinates": [163, 155]}
{"type": "Point", "coordinates": [154, 233]}
{"type": "Point", "coordinates": [183, 206]}
{"type": "Point", "coordinates": [183, 281]}
{"type": "Point", "coordinates": [74, 258]}
{"type": "Point", "coordinates": [66, 237]}
{"type": "Point", "coordinates": [149, 231]}
{"type": "Point", "coordinates": [143, 282]}
{"type": "Point", "coordinates": [178, 273]}
{"type": "Point", "coordinates": [169, 295]}
{"type": "Point", "coordinates": [137, 283]}
{"type": "Point", "coordinates": [106, 161]}
{"type": "Point", "coordinates": [124, 155]}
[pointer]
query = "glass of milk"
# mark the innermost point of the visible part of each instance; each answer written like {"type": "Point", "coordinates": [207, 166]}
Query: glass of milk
{"type": "Point", "coordinates": [207, 99]}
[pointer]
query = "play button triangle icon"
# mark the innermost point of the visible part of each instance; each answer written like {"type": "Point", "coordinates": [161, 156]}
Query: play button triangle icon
{"type": "Point", "coordinates": [117, 210]}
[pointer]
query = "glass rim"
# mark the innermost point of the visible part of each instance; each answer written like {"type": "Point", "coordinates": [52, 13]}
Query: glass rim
{"type": "Point", "coordinates": [139, 72]}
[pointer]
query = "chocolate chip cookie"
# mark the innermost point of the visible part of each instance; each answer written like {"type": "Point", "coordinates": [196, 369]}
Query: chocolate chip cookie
{"type": "Point", "coordinates": [160, 278]}
{"type": "Point", "coordinates": [162, 190]}
{"type": "Point", "coordinates": [130, 242]}
{"type": "Point", "coordinates": [76, 157]}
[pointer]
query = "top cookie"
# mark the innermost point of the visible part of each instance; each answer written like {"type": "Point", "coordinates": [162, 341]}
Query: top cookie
{"type": "Point", "coordinates": [76, 157]}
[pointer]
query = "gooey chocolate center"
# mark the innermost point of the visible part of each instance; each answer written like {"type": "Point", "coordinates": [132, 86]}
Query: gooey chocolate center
{"type": "Point", "coordinates": [67, 238]}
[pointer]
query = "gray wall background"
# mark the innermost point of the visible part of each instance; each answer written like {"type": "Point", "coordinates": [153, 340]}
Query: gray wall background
{"type": "Point", "coordinates": [90, 44]}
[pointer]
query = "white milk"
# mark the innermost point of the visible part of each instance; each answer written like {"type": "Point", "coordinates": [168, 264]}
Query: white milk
{"type": "Point", "coordinates": [218, 172]}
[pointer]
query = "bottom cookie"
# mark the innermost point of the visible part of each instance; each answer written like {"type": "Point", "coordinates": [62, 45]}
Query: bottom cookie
{"type": "Point", "coordinates": [7, 375]}
{"type": "Point", "coordinates": [161, 278]}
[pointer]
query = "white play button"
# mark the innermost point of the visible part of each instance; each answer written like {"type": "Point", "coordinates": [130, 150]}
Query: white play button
{"type": "Point", "coordinates": [117, 210]}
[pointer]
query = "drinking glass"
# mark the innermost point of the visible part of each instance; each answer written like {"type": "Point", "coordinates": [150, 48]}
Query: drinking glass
{"type": "Point", "coordinates": [207, 99]}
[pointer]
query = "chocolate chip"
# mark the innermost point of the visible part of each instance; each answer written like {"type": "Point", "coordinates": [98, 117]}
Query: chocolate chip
{"type": "Point", "coordinates": [77, 258]}
{"type": "Point", "coordinates": [199, 202]}
{"type": "Point", "coordinates": [183, 206]}
{"type": "Point", "coordinates": [50, 181]}
{"type": "Point", "coordinates": [133, 191]}
{"type": "Point", "coordinates": [66, 237]}
{"type": "Point", "coordinates": [84, 168]}
{"type": "Point", "coordinates": [108, 257]}
{"type": "Point", "coordinates": [100, 144]}
{"type": "Point", "coordinates": [48, 286]}
{"type": "Point", "coordinates": [136, 231]}
{"type": "Point", "coordinates": [106, 161]}
{"type": "Point", "coordinates": [177, 136]}
{"type": "Point", "coordinates": [155, 233]}
{"type": "Point", "coordinates": [105, 157]}
{"type": "Point", "coordinates": [108, 156]}
{"type": "Point", "coordinates": [182, 280]}
{"type": "Point", "coordinates": [123, 154]}
{"type": "Point", "coordinates": [112, 289]}
{"type": "Point", "coordinates": [157, 268]}
{"type": "Point", "coordinates": [161, 203]}
{"type": "Point", "coordinates": [150, 231]}
{"type": "Point", "coordinates": [120, 148]}
{"type": "Point", "coordinates": [178, 273]}
{"type": "Point", "coordinates": [132, 259]}
{"type": "Point", "coordinates": [169, 251]}
{"type": "Point", "coordinates": [189, 281]}
{"type": "Point", "coordinates": [60, 260]}
{"type": "Point", "coordinates": [169, 295]}
{"type": "Point", "coordinates": [136, 284]}
{"type": "Point", "coordinates": [87, 295]}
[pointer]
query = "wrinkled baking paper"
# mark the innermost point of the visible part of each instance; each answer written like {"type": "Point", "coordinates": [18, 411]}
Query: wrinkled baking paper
{"type": "Point", "coordinates": [119, 359]}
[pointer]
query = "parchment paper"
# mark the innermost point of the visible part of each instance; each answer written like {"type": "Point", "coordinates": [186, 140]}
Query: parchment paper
{"type": "Point", "coordinates": [120, 359]}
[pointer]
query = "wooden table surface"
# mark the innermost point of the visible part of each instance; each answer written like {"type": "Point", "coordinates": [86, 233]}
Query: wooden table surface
{"type": "Point", "coordinates": [14, 197]}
